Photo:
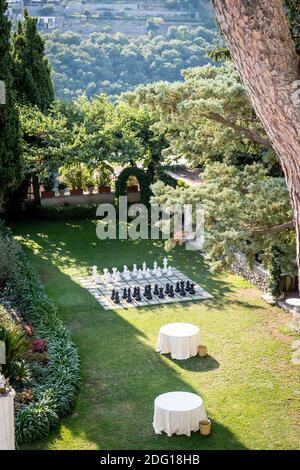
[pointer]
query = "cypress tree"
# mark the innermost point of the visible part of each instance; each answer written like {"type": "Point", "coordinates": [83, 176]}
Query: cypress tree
{"type": "Point", "coordinates": [32, 71]}
{"type": "Point", "coordinates": [10, 150]}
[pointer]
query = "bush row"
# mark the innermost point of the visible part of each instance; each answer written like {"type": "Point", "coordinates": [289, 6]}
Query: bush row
{"type": "Point", "coordinates": [56, 393]}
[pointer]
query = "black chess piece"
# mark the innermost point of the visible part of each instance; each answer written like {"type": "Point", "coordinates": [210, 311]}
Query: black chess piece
{"type": "Point", "coordinates": [167, 289]}
{"type": "Point", "coordinates": [145, 291]}
{"type": "Point", "coordinates": [187, 286]}
{"type": "Point", "coordinates": [171, 291]}
{"type": "Point", "coordinates": [129, 298]}
{"type": "Point", "coordinates": [161, 293]}
{"type": "Point", "coordinates": [117, 298]}
{"type": "Point", "coordinates": [192, 289]}
{"type": "Point", "coordinates": [138, 297]}
{"type": "Point", "coordinates": [113, 293]}
{"type": "Point", "coordinates": [124, 296]}
{"type": "Point", "coordinates": [156, 291]}
{"type": "Point", "coordinates": [182, 291]}
{"type": "Point", "coordinates": [182, 284]}
{"type": "Point", "coordinates": [149, 293]}
{"type": "Point", "coordinates": [134, 292]}
{"type": "Point", "coordinates": [177, 288]}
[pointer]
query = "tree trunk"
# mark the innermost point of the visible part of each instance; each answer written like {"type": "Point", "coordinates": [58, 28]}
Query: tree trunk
{"type": "Point", "coordinates": [36, 190]}
{"type": "Point", "coordinates": [260, 43]}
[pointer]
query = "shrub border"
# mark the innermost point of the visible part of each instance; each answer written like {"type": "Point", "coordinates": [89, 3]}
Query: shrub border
{"type": "Point", "coordinates": [56, 395]}
{"type": "Point", "coordinates": [142, 178]}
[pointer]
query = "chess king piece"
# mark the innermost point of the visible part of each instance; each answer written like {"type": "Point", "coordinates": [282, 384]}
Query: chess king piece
{"type": "Point", "coordinates": [167, 289]}
{"type": "Point", "coordinates": [171, 291]}
{"type": "Point", "coordinates": [156, 291]}
{"type": "Point", "coordinates": [154, 268]}
{"type": "Point", "coordinates": [129, 298]}
{"type": "Point", "coordinates": [192, 289]}
{"type": "Point", "coordinates": [161, 293]}
{"type": "Point", "coordinates": [148, 274]}
{"type": "Point", "coordinates": [134, 271]}
{"type": "Point", "coordinates": [158, 272]}
{"type": "Point", "coordinates": [165, 263]}
{"type": "Point", "coordinates": [177, 288]}
{"type": "Point", "coordinates": [140, 275]}
{"type": "Point", "coordinates": [138, 297]}
{"type": "Point", "coordinates": [187, 286]}
{"type": "Point", "coordinates": [117, 298]}
{"type": "Point", "coordinates": [113, 294]}
{"type": "Point", "coordinates": [124, 296]}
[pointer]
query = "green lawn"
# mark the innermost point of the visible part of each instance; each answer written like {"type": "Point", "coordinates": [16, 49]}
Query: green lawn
{"type": "Point", "coordinates": [249, 385]}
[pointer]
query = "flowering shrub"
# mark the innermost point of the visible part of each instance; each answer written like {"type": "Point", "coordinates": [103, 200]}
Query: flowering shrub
{"type": "Point", "coordinates": [39, 345]}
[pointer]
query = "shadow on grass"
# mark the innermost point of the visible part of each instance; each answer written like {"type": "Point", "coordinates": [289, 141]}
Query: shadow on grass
{"type": "Point", "coordinates": [121, 373]}
{"type": "Point", "coordinates": [196, 364]}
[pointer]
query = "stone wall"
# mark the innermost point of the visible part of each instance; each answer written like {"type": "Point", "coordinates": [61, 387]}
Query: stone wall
{"type": "Point", "coordinates": [258, 276]}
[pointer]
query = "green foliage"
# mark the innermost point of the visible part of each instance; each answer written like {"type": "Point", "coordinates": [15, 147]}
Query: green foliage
{"type": "Point", "coordinates": [55, 396]}
{"type": "Point", "coordinates": [32, 79]}
{"type": "Point", "coordinates": [8, 256]}
{"type": "Point", "coordinates": [114, 63]}
{"type": "Point", "coordinates": [15, 346]}
{"type": "Point", "coordinates": [72, 175]}
{"type": "Point", "coordinates": [275, 272]}
{"type": "Point", "coordinates": [82, 211]}
{"type": "Point", "coordinates": [10, 150]}
{"type": "Point", "coordinates": [207, 118]}
{"type": "Point", "coordinates": [141, 176]}
{"type": "Point", "coordinates": [238, 203]}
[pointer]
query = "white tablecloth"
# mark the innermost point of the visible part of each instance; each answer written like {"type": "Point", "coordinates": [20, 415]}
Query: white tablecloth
{"type": "Point", "coordinates": [179, 339]}
{"type": "Point", "coordinates": [178, 413]}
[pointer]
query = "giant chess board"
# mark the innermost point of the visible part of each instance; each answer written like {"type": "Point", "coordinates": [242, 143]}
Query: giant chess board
{"type": "Point", "coordinates": [102, 290]}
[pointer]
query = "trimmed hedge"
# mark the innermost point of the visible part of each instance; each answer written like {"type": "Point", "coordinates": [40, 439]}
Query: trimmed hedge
{"type": "Point", "coordinates": [82, 211]}
{"type": "Point", "coordinates": [56, 394]}
{"type": "Point", "coordinates": [142, 178]}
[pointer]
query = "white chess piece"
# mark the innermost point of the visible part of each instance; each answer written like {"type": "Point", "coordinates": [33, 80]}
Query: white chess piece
{"type": "Point", "coordinates": [140, 275]}
{"type": "Point", "coordinates": [134, 271]}
{"type": "Point", "coordinates": [127, 275]}
{"type": "Point", "coordinates": [144, 268]}
{"type": "Point", "coordinates": [148, 274]}
{"type": "Point", "coordinates": [165, 263]}
{"type": "Point", "coordinates": [154, 268]}
{"type": "Point", "coordinates": [96, 277]}
{"type": "Point", "coordinates": [170, 271]}
{"type": "Point", "coordinates": [158, 272]}
{"type": "Point", "coordinates": [107, 276]}
{"type": "Point", "coordinates": [117, 276]}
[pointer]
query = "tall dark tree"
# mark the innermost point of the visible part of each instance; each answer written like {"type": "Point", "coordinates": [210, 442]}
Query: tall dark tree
{"type": "Point", "coordinates": [32, 71]}
{"type": "Point", "coordinates": [10, 151]}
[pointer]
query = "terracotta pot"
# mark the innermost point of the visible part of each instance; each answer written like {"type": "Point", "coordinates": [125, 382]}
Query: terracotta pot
{"type": "Point", "coordinates": [205, 427]}
{"type": "Point", "coordinates": [2, 390]}
{"type": "Point", "coordinates": [132, 189]}
{"type": "Point", "coordinates": [104, 189]}
{"type": "Point", "coordinates": [202, 351]}
{"type": "Point", "coordinates": [76, 192]}
{"type": "Point", "coordinates": [48, 194]}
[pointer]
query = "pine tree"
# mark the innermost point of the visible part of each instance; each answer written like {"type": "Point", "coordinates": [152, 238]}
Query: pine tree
{"type": "Point", "coordinates": [10, 151]}
{"type": "Point", "coordinates": [32, 71]}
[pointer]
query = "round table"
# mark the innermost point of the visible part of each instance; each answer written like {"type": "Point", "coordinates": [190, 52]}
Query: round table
{"type": "Point", "coordinates": [178, 413]}
{"type": "Point", "coordinates": [179, 339]}
{"type": "Point", "coordinates": [295, 324]}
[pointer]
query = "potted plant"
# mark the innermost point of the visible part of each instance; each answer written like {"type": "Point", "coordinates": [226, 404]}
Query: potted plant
{"type": "Point", "coordinates": [132, 185]}
{"type": "Point", "coordinates": [88, 180]}
{"type": "Point", "coordinates": [103, 179]}
{"type": "Point", "coordinates": [72, 176]}
{"type": "Point", "coordinates": [48, 183]}
{"type": "Point", "coordinates": [61, 188]}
